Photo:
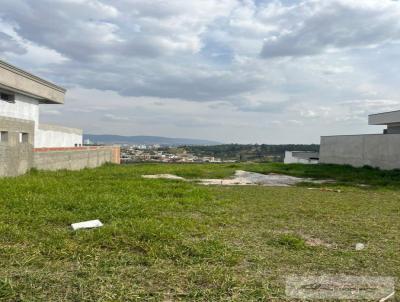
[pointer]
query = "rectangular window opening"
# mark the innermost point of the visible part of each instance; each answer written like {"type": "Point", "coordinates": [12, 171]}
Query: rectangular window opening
{"type": "Point", "coordinates": [7, 97]}
{"type": "Point", "coordinates": [3, 136]}
{"type": "Point", "coordinates": [24, 137]}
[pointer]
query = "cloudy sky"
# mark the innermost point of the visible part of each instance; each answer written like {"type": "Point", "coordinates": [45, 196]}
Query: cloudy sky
{"type": "Point", "coordinates": [244, 71]}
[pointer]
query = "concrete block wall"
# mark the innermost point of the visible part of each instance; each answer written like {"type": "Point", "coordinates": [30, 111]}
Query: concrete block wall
{"type": "Point", "coordinates": [74, 158]}
{"type": "Point", "coordinates": [375, 150]}
{"type": "Point", "coordinates": [16, 157]}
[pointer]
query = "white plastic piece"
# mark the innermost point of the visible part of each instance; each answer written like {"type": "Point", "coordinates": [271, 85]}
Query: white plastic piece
{"type": "Point", "coordinates": [360, 246]}
{"type": "Point", "coordinates": [87, 225]}
{"type": "Point", "coordinates": [387, 297]}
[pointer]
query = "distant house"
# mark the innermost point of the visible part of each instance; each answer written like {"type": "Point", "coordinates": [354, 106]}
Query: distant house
{"type": "Point", "coordinates": [301, 157]}
{"type": "Point", "coordinates": [25, 142]}
{"type": "Point", "coordinates": [375, 150]}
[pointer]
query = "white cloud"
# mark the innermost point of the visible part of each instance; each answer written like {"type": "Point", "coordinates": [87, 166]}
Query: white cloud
{"type": "Point", "coordinates": [181, 68]}
{"type": "Point", "coordinates": [114, 118]}
{"type": "Point", "coordinates": [46, 111]}
{"type": "Point", "coordinates": [9, 45]}
{"type": "Point", "coordinates": [312, 27]}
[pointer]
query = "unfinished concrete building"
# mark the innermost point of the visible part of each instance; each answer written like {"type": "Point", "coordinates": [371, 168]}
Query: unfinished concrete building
{"type": "Point", "coordinates": [26, 143]}
{"type": "Point", "coordinates": [375, 150]}
{"type": "Point", "coordinates": [301, 157]}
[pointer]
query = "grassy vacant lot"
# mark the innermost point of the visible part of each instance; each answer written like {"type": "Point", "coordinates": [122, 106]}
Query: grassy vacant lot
{"type": "Point", "coordinates": [170, 240]}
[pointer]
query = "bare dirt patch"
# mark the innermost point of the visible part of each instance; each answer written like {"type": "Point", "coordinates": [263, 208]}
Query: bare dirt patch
{"type": "Point", "coordinates": [163, 176]}
{"type": "Point", "coordinates": [314, 241]}
{"type": "Point", "coordinates": [309, 240]}
{"type": "Point", "coordinates": [252, 178]}
{"type": "Point", "coordinates": [244, 178]}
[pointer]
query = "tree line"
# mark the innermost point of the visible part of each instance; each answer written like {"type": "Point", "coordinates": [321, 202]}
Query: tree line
{"type": "Point", "coordinates": [249, 152]}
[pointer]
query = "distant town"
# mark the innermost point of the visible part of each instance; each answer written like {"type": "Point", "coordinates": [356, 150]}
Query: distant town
{"type": "Point", "coordinates": [157, 153]}
{"type": "Point", "coordinates": [223, 153]}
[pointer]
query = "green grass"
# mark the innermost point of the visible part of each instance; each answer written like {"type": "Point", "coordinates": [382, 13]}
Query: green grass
{"type": "Point", "coordinates": [169, 240]}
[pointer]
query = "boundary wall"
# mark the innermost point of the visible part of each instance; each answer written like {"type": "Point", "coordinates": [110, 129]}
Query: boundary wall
{"type": "Point", "coordinates": [375, 150]}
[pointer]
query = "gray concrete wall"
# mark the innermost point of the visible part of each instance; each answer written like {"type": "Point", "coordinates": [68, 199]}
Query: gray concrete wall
{"type": "Point", "coordinates": [393, 129]}
{"type": "Point", "coordinates": [16, 157]}
{"type": "Point", "coordinates": [384, 118]}
{"type": "Point", "coordinates": [73, 158]}
{"type": "Point", "coordinates": [375, 150]}
{"type": "Point", "coordinates": [305, 154]}
{"type": "Point", "coordinates": [300, 157]}
{"type": "Point", "coordinates": [19, 156]}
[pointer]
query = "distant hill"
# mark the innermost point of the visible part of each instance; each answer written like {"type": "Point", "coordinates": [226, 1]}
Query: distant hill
{"type": "Point", "coordinates": [147, 140]}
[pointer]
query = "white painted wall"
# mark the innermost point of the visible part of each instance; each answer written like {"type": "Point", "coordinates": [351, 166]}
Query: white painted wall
{"type": "Point", "coordinates": [290, 158]}
{"type": "Point", "coordinates": [51, 138]}
{"type": "Point", "coordinates": [25, 108]}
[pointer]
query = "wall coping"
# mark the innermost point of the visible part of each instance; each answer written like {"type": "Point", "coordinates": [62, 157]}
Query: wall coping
{"type": "Point", "coordinates": [57, 128]}
{"type": "Point", "coordinates": [14, 119]}
{"type": "Point", "coordinates": [62, 149]}
{"type": "Point", "coordinates": [373, 134]}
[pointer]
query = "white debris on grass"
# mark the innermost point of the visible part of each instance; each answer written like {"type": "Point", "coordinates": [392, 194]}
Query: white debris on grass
{"type": "Point", "coordinates": [360, 246]}
{"type": "Point", "coordinates": [163, 176]}
{"type": "Point", "coordinates": [391, 295]}
{"type": "Point", "coordinates": [326, 190]}
{"type": "Point", "coordinates": [251, 178]}
{"type": "Point", "coordinates": [87, 224]}
{"type": "Point", "coordinates": [244, 178]}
